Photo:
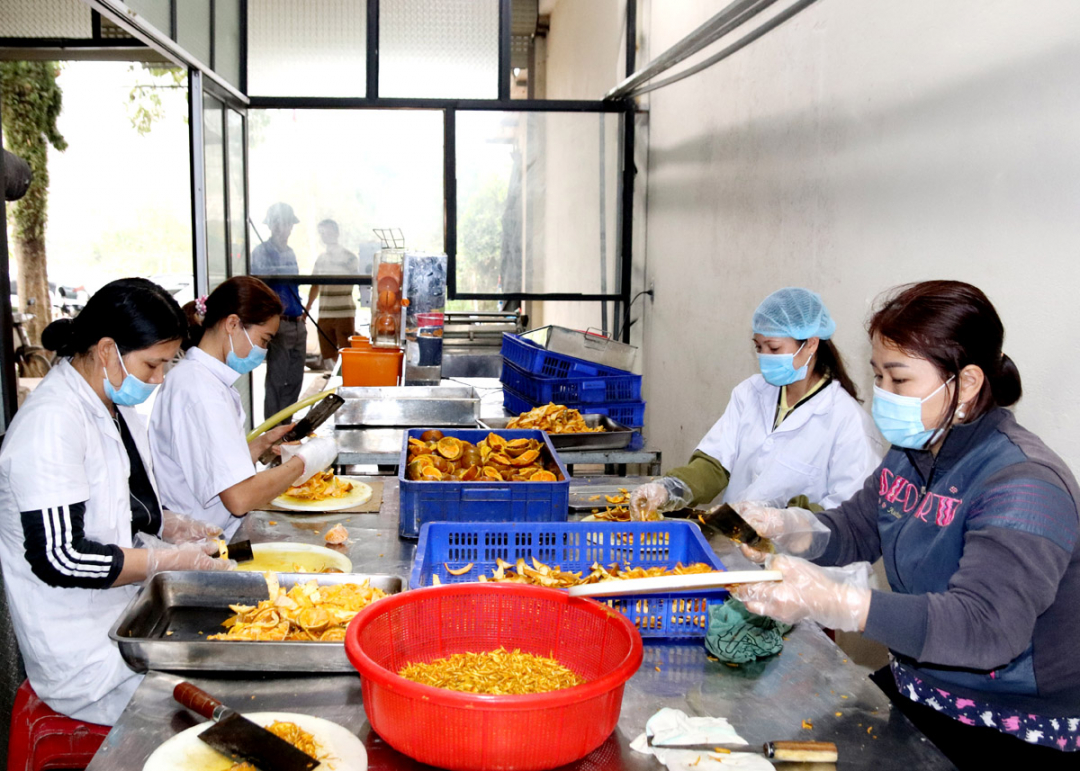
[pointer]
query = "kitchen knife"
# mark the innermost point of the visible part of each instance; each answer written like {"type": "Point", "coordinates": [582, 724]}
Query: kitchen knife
{"type": "Point", "coordinates": [729, 523]}
{"type": "Point", "coordinates": [236, 737]}
{"type": "Point", "coordinates": [793, 752]}
{"type": "Point", "coordinates": [316, 416]}
{"type": "Point", "coordinates": [239, 552]}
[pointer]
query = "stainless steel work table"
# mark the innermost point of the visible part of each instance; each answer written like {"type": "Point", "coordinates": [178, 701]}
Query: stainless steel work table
{"type": "Point", "coordinates": [810, 680]}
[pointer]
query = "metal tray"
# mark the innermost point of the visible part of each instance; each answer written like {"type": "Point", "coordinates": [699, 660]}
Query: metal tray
{"type": "Point", "coordinates": [186, 603]}
{"type": "Point", "coordinates": [615, 436]}
{"type": "Point", "coordinates": [594, 347]}
{"type": "Point", "coordinates": [413, 406]}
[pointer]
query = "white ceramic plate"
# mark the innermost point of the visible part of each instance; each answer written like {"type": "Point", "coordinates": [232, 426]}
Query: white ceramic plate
{"type": "Point", "coordinates": [683, 583]}
{"type": "Point", "coordinates": [283, 556]}
{"type": "Point", "coordinates": [186, 752]}
{"type": "Point", "coordinates": [359, 495]}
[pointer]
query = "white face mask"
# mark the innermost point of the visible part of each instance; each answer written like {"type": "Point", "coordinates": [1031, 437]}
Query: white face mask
{"type": "Point", "coordinates": [899, 418]}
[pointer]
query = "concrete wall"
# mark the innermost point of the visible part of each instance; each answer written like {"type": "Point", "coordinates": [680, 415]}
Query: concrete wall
{"type": "Point", "coordinates": [586, 48]}
{"type": "Point", "coordinates": [857, 147]}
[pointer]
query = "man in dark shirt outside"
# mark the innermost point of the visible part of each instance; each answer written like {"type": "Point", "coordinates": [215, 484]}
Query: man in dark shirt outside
{"type": "Point", "coordinates": [288, 348]}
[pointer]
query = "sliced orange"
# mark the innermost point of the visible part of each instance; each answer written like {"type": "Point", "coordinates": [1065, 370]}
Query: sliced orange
{"type": "Point", "coordinates": [497, 458]}
{"type": "Point", "coordinates": [543, 476]}
{"type": "Point", "coordinates": [449, 448]}
{"type": "Point", "coordinates": [433, 435]}
{"type": "Point", "coordinates": [490, 472]}
{"type": "Point", "coordinates": [495, 442]}
{"type": "Point", "coordinates": [526, 458]}
{"type": "Point", "coordinates": [431, 474]}
{"type": "Point", "coordinates": [469, 474]}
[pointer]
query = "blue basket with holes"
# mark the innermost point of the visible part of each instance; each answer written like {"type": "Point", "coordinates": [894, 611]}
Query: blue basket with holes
{"type": "Point", "coordinates": [572, 391]}
{"type": "Point", "coordinates": [575, 546]}
{"type": "Point", "coordinates": [537, 360]}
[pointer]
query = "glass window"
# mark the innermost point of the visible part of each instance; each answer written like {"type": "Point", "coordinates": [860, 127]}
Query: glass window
{"type": "Point", "coordinates": [364, 169]}
{"type": "Point", "coordinates": [193, 28]}
{"type": "Point", "coordinates": [46, 18]}
{"type": "Point", "coordinates": [227, 40]}
{"type": "Point", "coordinates": [237, 211]}
{"type": "Point", "coordinates": [217, 255]}
{"type": "Point", "coordinates": [313, 48]}
{"type": "Point", "coordinates": [537, 201]}
{"type": "Point", "coordinates": [157, 12]}
{"type": "Point", "coordinates": [439, 49]}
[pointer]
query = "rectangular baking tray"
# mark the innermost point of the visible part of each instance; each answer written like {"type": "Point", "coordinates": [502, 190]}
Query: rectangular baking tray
{"type": "Point", "coordinates": [408, 406]}
{"type": "Point", "coordinates": [616, 436]}
{"type": "Point", "coordinates": [587, 345]}
{"type": "Point", "coordinates": [189, 602]}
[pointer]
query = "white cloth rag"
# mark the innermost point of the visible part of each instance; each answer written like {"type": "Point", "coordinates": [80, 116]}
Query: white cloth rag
{"type": "Point", "coordinates": [673, 726]}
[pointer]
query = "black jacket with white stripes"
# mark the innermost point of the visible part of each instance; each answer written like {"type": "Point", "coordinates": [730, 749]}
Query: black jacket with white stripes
{"type": "Point", "coordinates": [60, 554]}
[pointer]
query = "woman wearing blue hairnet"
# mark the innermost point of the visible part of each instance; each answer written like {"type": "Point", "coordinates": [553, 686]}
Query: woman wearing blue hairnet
{"type": "Point", "coordinates": [793, 431]}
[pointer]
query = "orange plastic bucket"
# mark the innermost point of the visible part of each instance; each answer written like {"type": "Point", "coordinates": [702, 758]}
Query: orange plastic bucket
{"type": "Point", "coordinates": [360, 341]}
{"type": "Point", "coordinates": [370, 367]}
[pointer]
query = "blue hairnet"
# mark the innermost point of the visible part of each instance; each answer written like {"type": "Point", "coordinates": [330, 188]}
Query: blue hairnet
{"type": "Point", "coordinates": [793, 312]}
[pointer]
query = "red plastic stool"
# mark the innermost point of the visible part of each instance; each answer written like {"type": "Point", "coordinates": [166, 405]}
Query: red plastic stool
{"type": "Point", "coordinates": [41, 739]}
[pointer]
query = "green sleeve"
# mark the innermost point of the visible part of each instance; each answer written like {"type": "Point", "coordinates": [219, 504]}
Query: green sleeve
{"type": "Point", "coordinates": [803, 502]}
{"type": "Point", "coordinates": [704, 475]}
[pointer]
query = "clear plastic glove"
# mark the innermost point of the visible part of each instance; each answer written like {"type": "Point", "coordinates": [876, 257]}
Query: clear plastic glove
{"type": "Point", "coordinates": [652, 498]}
{"type": "Point", "coordinates": [179, 528]}
{"type": "Point", "coordinates": [161, 556]}
{"type": "Point", "coordinates": [317, 454]}
{"type": "Point", "coordinates": [792, 531]}
{"type": "Point", "coordinates": [835, 597]}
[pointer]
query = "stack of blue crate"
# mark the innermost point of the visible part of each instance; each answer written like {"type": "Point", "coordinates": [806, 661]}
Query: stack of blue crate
{"type": "Point", "coordinates": [533, 376]}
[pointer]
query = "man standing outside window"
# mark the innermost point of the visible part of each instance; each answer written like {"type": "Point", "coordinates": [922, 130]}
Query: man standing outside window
{"type": "Point", "coordinates": [285, 356]}
{"type": "Point", "coordinates": [337, 308]}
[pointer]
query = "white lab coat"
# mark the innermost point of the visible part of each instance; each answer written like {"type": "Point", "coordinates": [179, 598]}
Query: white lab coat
{"type": "Point", "coordinates": [198, 441]}
{"type": "Point", "coordinates": [63, 448]}
{"type": "Point", "coordinates": [825, 449]}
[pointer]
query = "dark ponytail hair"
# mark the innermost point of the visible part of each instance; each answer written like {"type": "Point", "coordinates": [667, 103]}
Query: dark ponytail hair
{"type": "Point", "coordinates": [952, 324]}
{"type": "Point", "coordinates": [134, 312]}
{"type": "Point", "coordinates": [830, 363]}
{"type": "Point", "coordinates": [250, 299]}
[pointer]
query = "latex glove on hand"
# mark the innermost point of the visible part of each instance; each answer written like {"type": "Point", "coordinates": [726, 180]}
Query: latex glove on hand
{"type": "Point", "coordinates": [835, 597]}
{"type": "Point", "coordinates": [792, 531]}
{"type": "Point", "coordinates": [317, 454]}
{"type": "Point", "coordinates": [652, 498]}
{"type": "Point", "coordinates": [179, 528]}
{"type": "Point", "coordinates": [161, 556]}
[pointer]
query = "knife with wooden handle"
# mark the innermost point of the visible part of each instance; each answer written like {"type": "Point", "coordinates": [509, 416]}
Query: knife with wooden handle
{"type": "Point", "coordinates": [236, 737]}
{"type": "Point", "coordinates": [784, 752]}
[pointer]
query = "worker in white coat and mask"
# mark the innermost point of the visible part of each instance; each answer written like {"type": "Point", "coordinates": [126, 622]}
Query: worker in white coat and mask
{"type": "Point", "coordinates": [80, 521]}
{"type": "Point", "coordinates": [205, 465]}
{"type": "Point", "coordinates": [794, 432]}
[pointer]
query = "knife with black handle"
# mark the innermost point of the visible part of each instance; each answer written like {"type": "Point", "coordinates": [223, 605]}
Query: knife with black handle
{"type": "Point", "coordinates": [316, 416]}
{"type": "Point", "coordinates": [236, 737]}
{"type": "Point", "coordinates": [728, 522]}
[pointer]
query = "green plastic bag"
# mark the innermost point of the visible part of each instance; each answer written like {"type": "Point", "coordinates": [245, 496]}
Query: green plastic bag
{"type": "Point", "coordinates": [738, 636]}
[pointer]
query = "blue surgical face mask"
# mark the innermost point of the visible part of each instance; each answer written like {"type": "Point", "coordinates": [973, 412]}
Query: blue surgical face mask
{"type": "Point", "coordinates": [132, 391]}
{"type": "Point", "coordinates": [249, 362]}
{"type": "Point", "coordinates": [899, 418]}
{"type": "Point", "coordinates": [778, 369]}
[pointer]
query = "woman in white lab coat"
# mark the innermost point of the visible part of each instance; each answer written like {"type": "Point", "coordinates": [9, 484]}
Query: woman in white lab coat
{"type": "Point", "coordinates": [795, 431]}
{"type": "Point", "coordinates": [79, 512]}
{"type": "Point", "coordinates": [205, 465]}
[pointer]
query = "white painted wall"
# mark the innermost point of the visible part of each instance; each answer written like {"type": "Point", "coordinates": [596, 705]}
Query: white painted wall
{"type": "Point", "coordinates": [857, 147]}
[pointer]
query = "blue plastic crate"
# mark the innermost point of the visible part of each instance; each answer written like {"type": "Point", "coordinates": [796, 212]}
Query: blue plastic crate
{"type": "Point", "coordinates": [630, 414]}
{"type": "Point", "coordinates": [530, 357]}
{"type": "Point", "coordinates": [423, 502]}
{"type": "Point", "coordinates": [572, 391]}
{"type": "Point", "coordinates": [575, 546]}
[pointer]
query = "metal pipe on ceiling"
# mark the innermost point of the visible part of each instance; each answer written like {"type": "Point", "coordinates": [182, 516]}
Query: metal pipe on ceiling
{"type": "Point", "coordinates": [744, 41]}
{"type": "Point", "coordinates": [731, 17]}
